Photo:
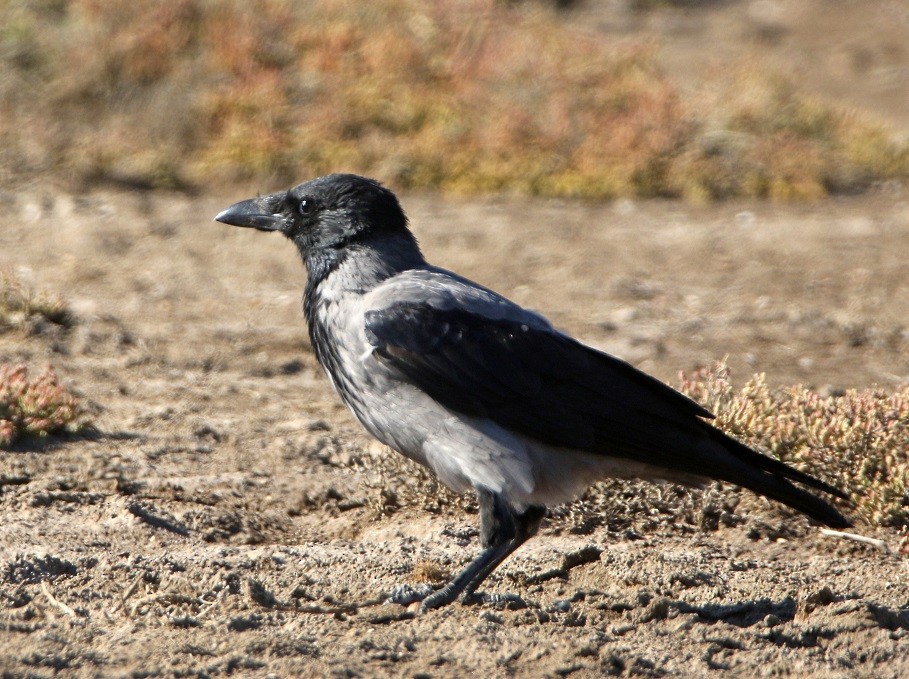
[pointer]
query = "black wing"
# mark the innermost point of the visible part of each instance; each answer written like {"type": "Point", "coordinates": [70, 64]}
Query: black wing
{"type": "Point", "coordinates": [549, 387]}
{"type": "Point", "coordinates": [535, 381]}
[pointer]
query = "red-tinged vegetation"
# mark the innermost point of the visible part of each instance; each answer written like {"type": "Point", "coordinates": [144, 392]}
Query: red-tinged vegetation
{"type": "Point", "coordinates": [38, 406]}
{"type": "Point", "coordinates": [469, 97]}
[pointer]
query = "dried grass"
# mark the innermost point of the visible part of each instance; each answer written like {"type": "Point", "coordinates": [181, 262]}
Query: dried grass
{"type": "Point", "coordinates": [859, 441]}
{"type": "Point", "coordinates": [20, 304]}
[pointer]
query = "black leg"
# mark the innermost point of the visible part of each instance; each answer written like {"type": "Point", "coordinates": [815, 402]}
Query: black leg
{"type": "Point", "coordinates": [501, 532]}
{"type": "Point", "coordinates": [526, 526]}
{"type": "Point", "coordinates": [497, 522]}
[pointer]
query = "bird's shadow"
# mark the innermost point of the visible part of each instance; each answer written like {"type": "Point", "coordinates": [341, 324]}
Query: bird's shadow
{"type": "Point", "coordinates": [52, 442]}
{"type": "Point", "coordinates": [743, 613]}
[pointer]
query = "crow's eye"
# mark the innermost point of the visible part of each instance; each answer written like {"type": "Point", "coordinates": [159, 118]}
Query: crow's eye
{"type": "Point", "coordinates": [306, 207]}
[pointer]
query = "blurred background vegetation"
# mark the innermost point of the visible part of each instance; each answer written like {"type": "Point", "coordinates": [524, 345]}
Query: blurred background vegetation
{"type": "Point", "coordinates": [466, 96]}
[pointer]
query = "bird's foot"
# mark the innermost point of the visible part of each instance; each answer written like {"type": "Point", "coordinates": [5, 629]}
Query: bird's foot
{"type": "Point", "coordinates": [407, 594]}
{"type": "Point", "coordinates": [500, 601]}
{"type": "Point", "coordinates": [442, 597]}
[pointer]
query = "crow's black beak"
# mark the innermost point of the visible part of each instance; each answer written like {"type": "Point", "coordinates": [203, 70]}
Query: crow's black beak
{"type": "Point", "coordinates": [253, 214]}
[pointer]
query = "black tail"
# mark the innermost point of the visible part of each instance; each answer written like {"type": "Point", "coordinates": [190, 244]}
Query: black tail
{"type": "Point", "coordinates": [770, 477]}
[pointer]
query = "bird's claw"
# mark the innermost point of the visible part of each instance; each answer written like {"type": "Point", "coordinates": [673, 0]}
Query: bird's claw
{"type": "Point", "coordinates": [407, 594]}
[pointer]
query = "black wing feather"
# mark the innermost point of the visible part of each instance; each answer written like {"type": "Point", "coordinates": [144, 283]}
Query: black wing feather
{"type": "Point", "coordinates": [535, 381]}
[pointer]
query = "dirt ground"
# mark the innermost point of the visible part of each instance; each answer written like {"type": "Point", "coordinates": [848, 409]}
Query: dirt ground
{"type": "Point", "coordinates": [223, 519]}
{"type": "Point", "coordinates": [227, 517]}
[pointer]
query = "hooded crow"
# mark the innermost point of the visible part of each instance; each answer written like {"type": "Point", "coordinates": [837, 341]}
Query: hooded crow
{"type": "Point", "coordinates": [487, 394]}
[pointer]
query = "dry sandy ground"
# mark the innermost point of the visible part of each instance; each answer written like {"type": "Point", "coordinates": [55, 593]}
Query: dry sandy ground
{"type": "Point", "coordinates": [228, 518]}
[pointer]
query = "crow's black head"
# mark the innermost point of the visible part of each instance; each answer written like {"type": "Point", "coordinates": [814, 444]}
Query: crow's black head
{"type": "Point", "coordinates": [329, 212]}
